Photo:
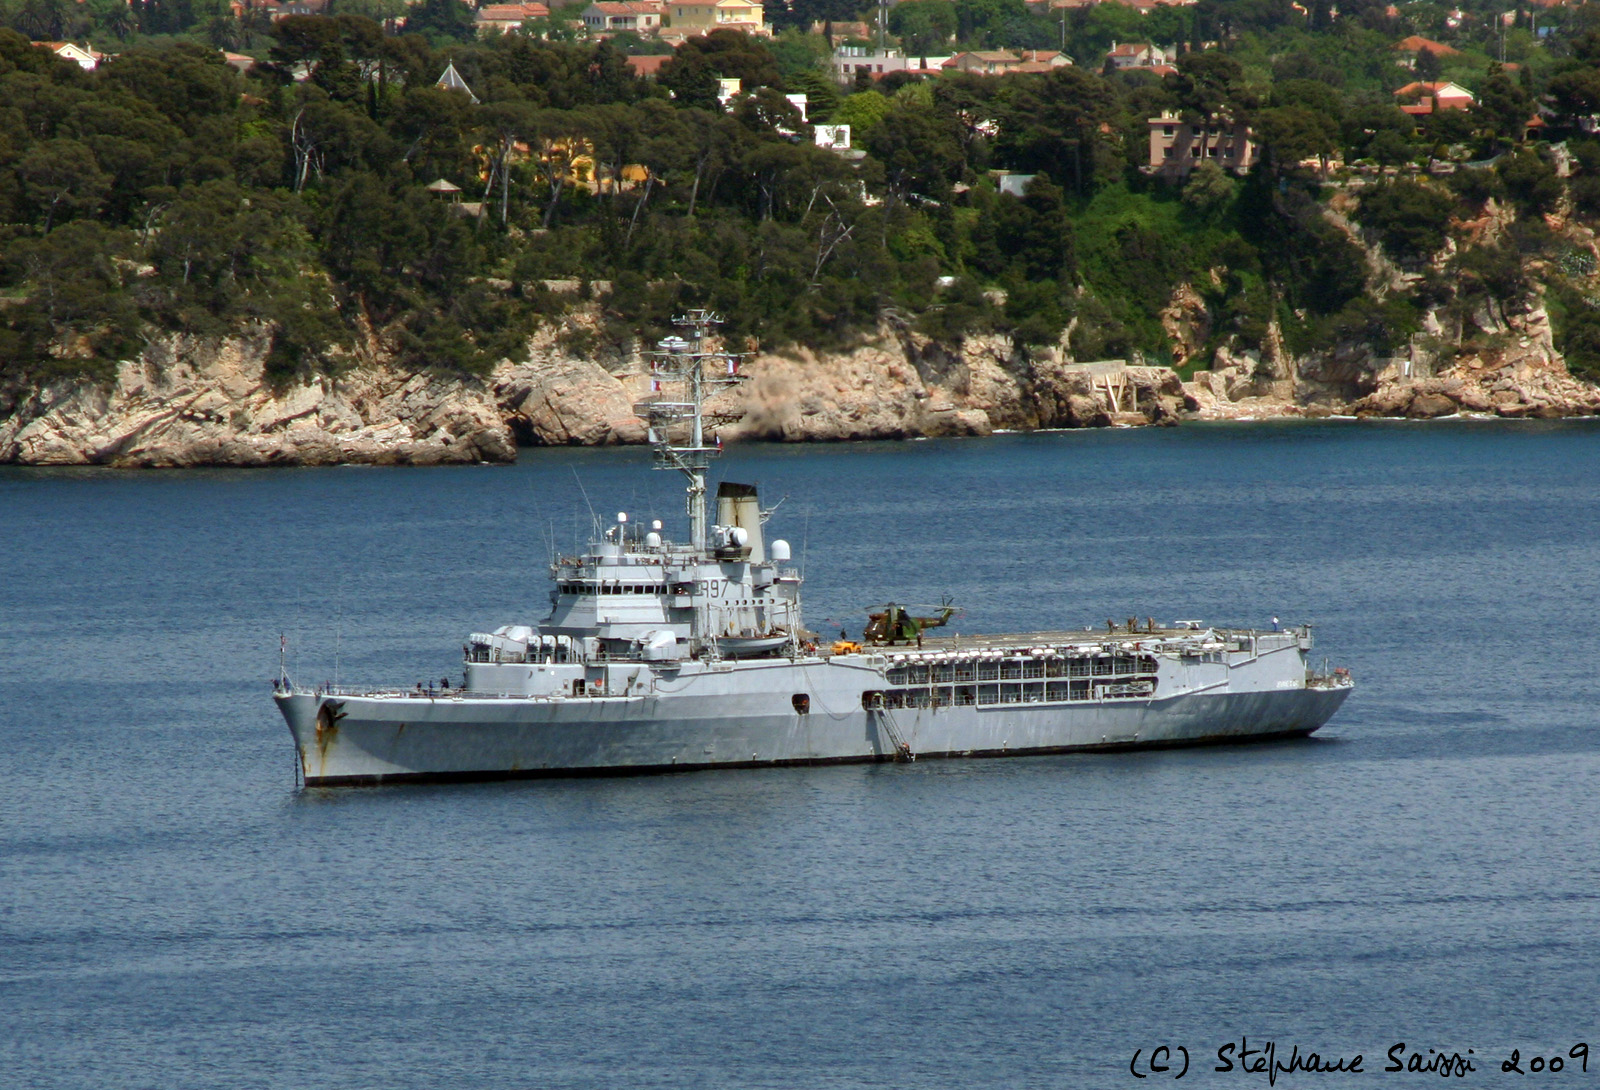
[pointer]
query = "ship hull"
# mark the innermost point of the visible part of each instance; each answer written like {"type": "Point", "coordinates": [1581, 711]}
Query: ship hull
{"type": "Point", "coordinates": [367, 740]}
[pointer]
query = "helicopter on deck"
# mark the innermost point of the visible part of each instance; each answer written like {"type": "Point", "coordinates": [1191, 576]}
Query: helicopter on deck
{"type": "Point", "coordinates": [892, 624]}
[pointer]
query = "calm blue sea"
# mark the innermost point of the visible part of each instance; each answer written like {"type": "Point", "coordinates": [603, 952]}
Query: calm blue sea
{"type": "Point", "coordinates": [175, 914]}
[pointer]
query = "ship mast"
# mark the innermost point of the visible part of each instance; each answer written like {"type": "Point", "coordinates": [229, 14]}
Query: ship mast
{"type": "Point", "coordinates": [677, 422]}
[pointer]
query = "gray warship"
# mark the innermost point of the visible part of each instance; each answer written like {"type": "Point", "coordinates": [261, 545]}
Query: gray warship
{"type": "Point", "coordinates": [660, 655]}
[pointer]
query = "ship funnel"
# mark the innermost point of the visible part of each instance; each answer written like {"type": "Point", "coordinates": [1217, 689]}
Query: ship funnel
{"type": "Point", "coordinates": [737, 506]}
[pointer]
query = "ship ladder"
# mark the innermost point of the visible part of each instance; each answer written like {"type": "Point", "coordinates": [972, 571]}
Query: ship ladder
{"type": "Point", "coordinates": [902, 748]}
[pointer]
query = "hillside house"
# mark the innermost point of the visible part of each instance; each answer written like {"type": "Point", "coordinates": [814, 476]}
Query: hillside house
{"type": "Point", "coordinates": [288, 8]}
{"type": "Point", "coordinates": [843, 30]}
{"type": "Point", "coordinates": [1138, 55]}
{"type": "Point", "coordinates": [1409, 48]}
{"type": "Point", "coordinates": [508, 17]}
{"type": "Point", "coordinates": [84, 56]}
{"type": "Point", "coordinates": [1042, 60]}
{"type": "Point", "coordinates": [1178, 146]}
{"type": "Point", "coordinates": [850, 61]}
{"type": "Point", "coordinates": [832, 137]}
{"type": "Point", "coordinates": [1424, 98]}
{"type": "Point", "coordinates": [705, 15]}
{"type": "Point", "coordinates": [988, 62]}
{"type": "Point", "coordinates": [616, 16]}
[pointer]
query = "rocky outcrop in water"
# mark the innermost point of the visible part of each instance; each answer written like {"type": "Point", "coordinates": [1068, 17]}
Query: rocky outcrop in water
{"type": "Point", "coordinates": [1515, 372]}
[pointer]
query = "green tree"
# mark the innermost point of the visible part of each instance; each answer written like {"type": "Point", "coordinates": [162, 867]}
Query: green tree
{"type": "Point", "coordinates": [1530, 181]}
{"type": "Point", "coordinates": [923, 26]}
{"type": "Point", "coordinates": [990, 24]}
{"type": "Point", "coordinates": [1428, 67]}
{"type": "Point", "coordinates": [822, 95]}
{"type": "Point", "coordinates": [1575, 93]}
{"type": "Point", "coordinates": [799, 53]}
{"type": "Point", "coordinates": [691, 79]}
{"type": "Point", "coordinates": [767, 111]}
{"type": "Point", "coordinates": [429, 125]}
{"type": "Point", "coordinates": [114, 17]}
{"type": "Point", "coordinates": [42, 20]}
{"type": "Point", "coordinates": [383, 12]}
{"type": "Point", "coordinates": [1502, 108]}
{"type": "Point", "coordinates": [1032, 235]}
{"type": "Point", "coordinates": [711, 139]}
{"type": "Point", "coordinates": [919, 151]}
{"type": "Point", "coordinates": [304, 43]}
{"type": "Point", "coordinates": [77, 314]}
{"type": "Point", "coordinates": [1095, 28]}
{"type": "Point", "coordinates": [1410, 218]}
{"type": "Point", "coordinates": [61, 179]}
{"type": "Point", "coordinates": [1291, 134]}
{"type": "Point", "coordinates": [1209, 188]}
{"type": "Point", "coordinates": [862, 111]}
{"type": "Point", "coordinates": [186, 81]}
{"type": "Point", "coordinates": [504, 125]}
{"type": "Point", "coordinates": [728, 54]}
{"type": "Point", "coordinates": [1058, 124]}
{"type": "Point", "coordinates": [1210, 84]}
{"type": "Point", "coordinates": [131, 141]}
{"type": "Point", "coordinates": [445, 19]}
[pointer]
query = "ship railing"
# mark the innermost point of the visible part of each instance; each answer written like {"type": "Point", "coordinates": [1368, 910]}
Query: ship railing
{"type": "Point", "coordinates": [382, 692]}
{"type": "Point", "coordinates": [375, 690]}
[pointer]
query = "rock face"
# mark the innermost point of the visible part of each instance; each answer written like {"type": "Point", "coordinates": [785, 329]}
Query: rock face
{"type": "Point", "coordinates": [187, 403]}
{"type": "Point", "coordinates": [1473, 386]}
{"type": "Point", "coordinates": [1518, 373]}
{"type": "Point", "coordinates": [1521, 376]}
{"type": "Point", "coordinates": [565, 402]}
{"type": "Point", "coordinates": [902, 385]}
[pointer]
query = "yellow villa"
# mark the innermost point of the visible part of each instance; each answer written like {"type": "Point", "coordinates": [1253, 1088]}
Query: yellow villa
{"type": "Point", "coordinates": [703, 15]}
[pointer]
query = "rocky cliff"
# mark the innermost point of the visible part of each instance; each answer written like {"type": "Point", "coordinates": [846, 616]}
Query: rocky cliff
{"type": "Point", "coordinates": [1478, 353]}
{"type": "Point", "coordinates": [1514, 372]}
{"type": "Point", "coordinates": [901, 384]}
{"type": "Point", "coordinates": [188, 402]}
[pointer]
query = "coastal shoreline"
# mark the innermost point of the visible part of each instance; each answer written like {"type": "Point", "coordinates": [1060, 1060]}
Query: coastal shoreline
{"type": "Point", "coordinates": [519, 451]}
{"type": "Point", "coordinates": [192, 402]}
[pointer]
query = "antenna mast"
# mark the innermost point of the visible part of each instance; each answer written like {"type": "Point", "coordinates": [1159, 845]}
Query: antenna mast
{"type": "Point", "coordinates": [677, 421]}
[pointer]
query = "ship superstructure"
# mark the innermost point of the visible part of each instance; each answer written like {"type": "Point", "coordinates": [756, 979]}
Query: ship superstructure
{"type": "Point", "coordinates": [661, 655]}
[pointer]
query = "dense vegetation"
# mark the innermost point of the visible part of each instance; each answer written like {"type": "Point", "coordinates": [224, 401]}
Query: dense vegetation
{"type": "Point", "coordinates": [165, 191]}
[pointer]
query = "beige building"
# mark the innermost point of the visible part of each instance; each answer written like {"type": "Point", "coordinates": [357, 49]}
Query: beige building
{"type": "Point", "coordinates": [508, 17]}
{"type": "Point", "coordinates": [700, 16]}
{"type": "Point", "coordinates": [1178, 146]}
{"type": "Point", "coordinates": [615, 16]}
{"type": "Point", "coordinates": [83, 56]}
{"type": "Point", "coordinates": [1139, 55]}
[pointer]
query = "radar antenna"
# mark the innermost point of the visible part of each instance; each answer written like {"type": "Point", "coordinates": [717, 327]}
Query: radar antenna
{"type": "Point", "coordinates": [677, 418]}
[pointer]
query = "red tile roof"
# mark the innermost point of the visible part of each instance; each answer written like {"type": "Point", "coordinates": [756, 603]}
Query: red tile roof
{"type": "Point", "coordinates": [1417, 43]}
{"type": "Point", "coordinates": [647, 67]}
